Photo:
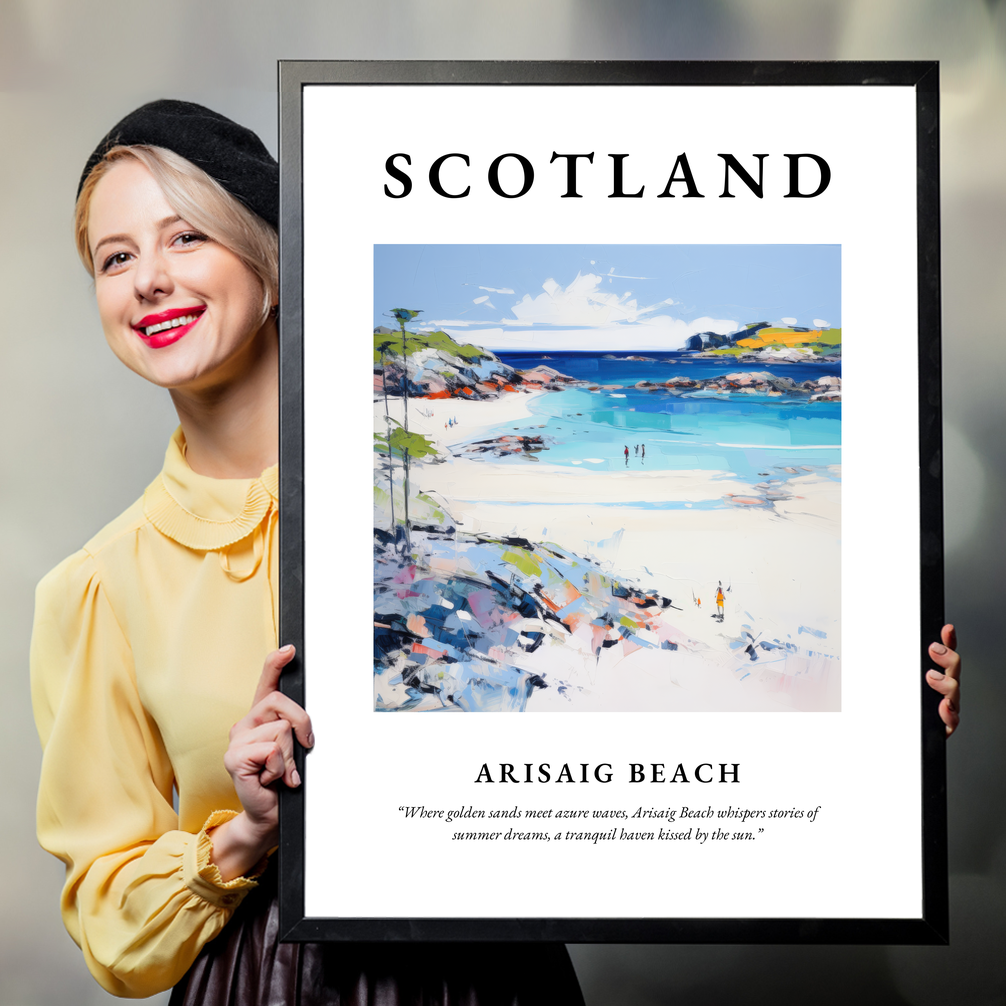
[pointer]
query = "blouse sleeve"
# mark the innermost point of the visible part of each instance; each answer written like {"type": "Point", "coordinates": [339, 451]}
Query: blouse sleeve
{"type": "Point", "coordinates": [141, 898]}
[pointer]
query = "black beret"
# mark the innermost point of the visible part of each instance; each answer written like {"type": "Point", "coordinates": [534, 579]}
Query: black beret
{"type": "Point", "coordinates": [230, 154]}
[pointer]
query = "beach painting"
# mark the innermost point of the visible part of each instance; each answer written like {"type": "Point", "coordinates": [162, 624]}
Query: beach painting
{"type": "Point", "coordinates": [607, 478]}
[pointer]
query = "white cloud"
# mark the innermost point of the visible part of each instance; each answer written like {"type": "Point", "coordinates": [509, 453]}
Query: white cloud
{"type": "Point", "coordinates": [583, 302]}
{"type": "Point", "coordinates": [820, 323]}
{"type": "Point", "coordinates": [789, 321]}
{"type": "Point", "coordinates": [493, 289]}
{"type": "Point", "coordinates": [484, 300]}
{"type": "Point", "coordinates": [585, 316]}
{"type": "Point", "coordinates": [659, 334]}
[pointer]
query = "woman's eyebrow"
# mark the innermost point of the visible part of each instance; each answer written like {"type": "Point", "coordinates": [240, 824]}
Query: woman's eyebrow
{"type": "Point", "coordinates": [160, 225]}
{"type": "Point", "coordinates": [109, 240]}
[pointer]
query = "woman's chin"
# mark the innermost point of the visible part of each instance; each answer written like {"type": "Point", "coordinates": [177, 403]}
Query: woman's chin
{"type": "Point", "coordinates": [196, 365]}
{"type": "Point", "coordinates": [174, 373]}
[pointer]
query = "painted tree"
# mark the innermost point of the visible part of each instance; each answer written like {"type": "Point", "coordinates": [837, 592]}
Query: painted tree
{"type": "Point", "coordinates": [402, 444]}
{"type": "Point", "coordinates": [382, 344]}
{"type": "Point", "coordinates": [402, 315]}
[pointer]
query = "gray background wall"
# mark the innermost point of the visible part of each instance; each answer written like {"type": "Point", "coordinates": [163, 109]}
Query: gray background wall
{"type": "Point", "coordinates": [82, 436]}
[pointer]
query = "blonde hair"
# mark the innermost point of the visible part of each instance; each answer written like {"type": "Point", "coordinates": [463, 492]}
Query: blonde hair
{"type": "Point", "coordinates": [199, 200]}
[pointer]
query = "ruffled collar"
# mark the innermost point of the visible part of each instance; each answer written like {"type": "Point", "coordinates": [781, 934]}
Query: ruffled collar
{"type": "Point", "coordinates": [203, 513]}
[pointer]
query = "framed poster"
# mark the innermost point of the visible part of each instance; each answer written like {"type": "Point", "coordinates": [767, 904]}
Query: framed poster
{"type": "Point", "coordinates": [656, 554]}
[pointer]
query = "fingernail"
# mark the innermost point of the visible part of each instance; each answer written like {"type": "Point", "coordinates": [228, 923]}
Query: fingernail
{"type": "Point", "coordinates": [310, 740]}
{"type": "Point", "coordinates": [295, 777]}
{"type": "Point", "coordinates": [287, 649]}
{"type": "Point", "coordinates": [938, 648]}
{"type": "Point", "coordinates": [936, 675]}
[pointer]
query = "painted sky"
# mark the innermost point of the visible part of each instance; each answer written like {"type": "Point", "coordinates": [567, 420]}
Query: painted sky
{"type": "Point", "coordinates": [590, 297]}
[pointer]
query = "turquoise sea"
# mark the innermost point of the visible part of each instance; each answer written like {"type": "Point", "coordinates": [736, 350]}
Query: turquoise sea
{"type": "Point", "coordinates": [750, 436]}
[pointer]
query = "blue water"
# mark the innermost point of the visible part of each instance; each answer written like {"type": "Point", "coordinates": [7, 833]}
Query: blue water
{"type": "Point", "coordinates": [597, 367]}
{"type": "Point", "coordinates": [748, 436]}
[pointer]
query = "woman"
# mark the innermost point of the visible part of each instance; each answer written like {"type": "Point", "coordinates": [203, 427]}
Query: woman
{"type": "Point", "coordinates": [149, 643]}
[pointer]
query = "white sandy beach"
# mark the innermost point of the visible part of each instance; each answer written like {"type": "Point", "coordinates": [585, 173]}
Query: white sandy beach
{"type": "Point", "coordinates": [474, 419]}
{"type": "Point", "coordinates": [780, 561]}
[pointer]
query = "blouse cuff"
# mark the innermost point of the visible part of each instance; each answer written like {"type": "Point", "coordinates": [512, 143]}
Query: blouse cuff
{"type": "Point", "coordinates": [202, 876]}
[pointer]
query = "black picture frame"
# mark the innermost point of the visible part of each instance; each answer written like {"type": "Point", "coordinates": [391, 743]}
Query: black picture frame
{"type": "Point", "coordinates": [931, 927]}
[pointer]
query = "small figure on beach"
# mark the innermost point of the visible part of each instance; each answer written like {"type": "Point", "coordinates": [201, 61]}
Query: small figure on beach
{"type": "Point", "coordinates": [719, 600]}
{"type": "Point", "coordinates": [626, 453]}
{"type": "Point", "coordinates": [642, 447]}
{"type": "Point", "coordinates": [636, 450]}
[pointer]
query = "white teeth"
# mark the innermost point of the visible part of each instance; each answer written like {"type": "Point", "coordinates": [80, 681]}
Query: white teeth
{"type": "Point", "coordinates": [173, 323]}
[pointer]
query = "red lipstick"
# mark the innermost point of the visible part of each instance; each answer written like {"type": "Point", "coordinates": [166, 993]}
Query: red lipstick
{"type": "Point", "coordinates": [166, 325]}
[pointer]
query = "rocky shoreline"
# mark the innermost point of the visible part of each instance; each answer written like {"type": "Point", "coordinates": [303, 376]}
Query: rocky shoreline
{"type": "Point", "coordinates": [457, 618]}
{"type": "Point", "coordinates": [442, 368]}
{"type": "Point", "coordinates": [770, 355]}
{"type": "Point", "coordinates": [752, 382]}
{"type": "Point", "coordinates": [445, 369]}
{"type": "Point", "coordinates": [505, 446]}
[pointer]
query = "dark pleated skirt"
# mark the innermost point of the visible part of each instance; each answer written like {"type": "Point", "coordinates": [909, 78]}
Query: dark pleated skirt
{"type": "Point", "coordinates": [246, 965]}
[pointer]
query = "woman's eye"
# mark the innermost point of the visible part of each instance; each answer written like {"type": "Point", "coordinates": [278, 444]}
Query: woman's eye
{"type": "Point", "coordinates": [190, 238]}
{"type": "Point", "coordinates": [114, 261]}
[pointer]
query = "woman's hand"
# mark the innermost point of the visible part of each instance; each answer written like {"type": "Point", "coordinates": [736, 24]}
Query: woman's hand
{"type": "Point", "coordinates": [260, 753]}
{"type": "Point", "coordinates": [947, 682]}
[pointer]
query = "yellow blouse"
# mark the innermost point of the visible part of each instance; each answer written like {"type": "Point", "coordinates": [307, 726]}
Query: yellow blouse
{"type": "Point", "coordinates": [147, 647]}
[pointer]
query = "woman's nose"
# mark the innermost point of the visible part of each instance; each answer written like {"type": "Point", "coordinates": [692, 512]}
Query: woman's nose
{"type": "Point", "coordinates": [152, 277]}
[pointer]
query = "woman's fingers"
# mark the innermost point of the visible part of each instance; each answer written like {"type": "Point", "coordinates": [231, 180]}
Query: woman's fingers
{"type": "Point", "coordinates": [947, 686]}
{"type": "Point", "coordinates": [270, 703]}
{"type": "Point", "coordinates": [949, 660]}
{"type": "Point", "coordinates": [277, 706]}
{"type": "Point", "coordinates": [271, 671]}
{"type": "Point", "coordinates": [949, 712]}
{"type": "Point", "coordinates": [274, 766]}
{"type": "Point", "coordinates": [945, 654]}
{"type": "Point", "coordinates": [949, 636]}
{"type": "Point", "coordinates": [261, 749]}
{"type": "Point", "coordinates": [947, 680]}
{"type": "Point", "coordinates": [277, 735]}
{"type": "Point", "coordinates": [261, 761]}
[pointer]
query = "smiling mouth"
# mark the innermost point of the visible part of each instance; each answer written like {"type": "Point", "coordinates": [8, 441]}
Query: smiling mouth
{"type": "Point", "coordinates": [168, 323]}
{"type": "Point", "coordinates": [167, 327]}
